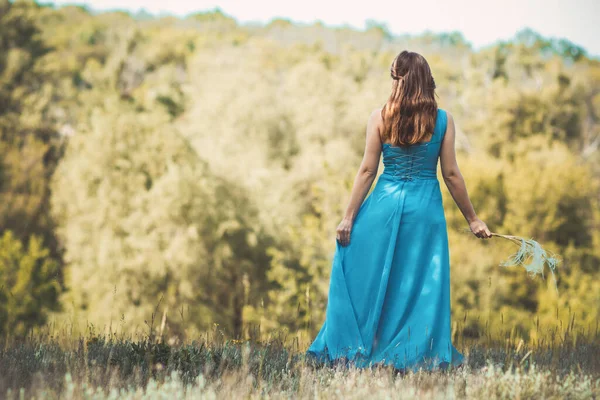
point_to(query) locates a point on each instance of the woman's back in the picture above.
(417, 161)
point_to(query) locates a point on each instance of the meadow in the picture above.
(53, 364)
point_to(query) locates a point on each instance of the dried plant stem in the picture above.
(514, 239)
(532, 251)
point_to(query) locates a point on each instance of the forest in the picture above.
(179, 174)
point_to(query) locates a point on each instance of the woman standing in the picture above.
(389, 294)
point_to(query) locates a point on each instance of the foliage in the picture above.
(29, 142)
(185, 172)
(30, 288)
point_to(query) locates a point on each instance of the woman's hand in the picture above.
(343, 232)
(480, 229)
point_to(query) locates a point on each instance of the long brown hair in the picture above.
(410, 113)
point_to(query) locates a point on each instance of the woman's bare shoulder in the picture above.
(377, 112)
(376, 116)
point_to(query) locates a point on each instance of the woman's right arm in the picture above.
(456, 183)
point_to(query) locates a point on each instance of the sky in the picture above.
(482, 22)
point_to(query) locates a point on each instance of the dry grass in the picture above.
(212, 366)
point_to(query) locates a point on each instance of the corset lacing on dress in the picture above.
(405, 163)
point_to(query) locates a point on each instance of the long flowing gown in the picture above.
(389, 293)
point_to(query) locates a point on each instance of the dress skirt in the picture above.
(389, 293)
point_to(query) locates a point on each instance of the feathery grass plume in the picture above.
(530, 256)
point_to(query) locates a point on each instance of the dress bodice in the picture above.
(418, 161)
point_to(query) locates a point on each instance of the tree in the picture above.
(30, 287)
(29, 142)
(133, 203)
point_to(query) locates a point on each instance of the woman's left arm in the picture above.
(364, 177)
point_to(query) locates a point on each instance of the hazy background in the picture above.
(188, 171)
(481, 22)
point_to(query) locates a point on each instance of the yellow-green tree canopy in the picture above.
(193, 170)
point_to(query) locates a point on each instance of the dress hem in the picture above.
(356, 358)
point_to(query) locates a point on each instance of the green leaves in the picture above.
(30, 285)
(208, 163)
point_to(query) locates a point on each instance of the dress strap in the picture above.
(441, 123)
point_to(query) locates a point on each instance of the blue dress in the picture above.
(389, 293)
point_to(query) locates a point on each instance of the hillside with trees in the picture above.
(177, 173)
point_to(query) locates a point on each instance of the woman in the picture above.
(389, 294)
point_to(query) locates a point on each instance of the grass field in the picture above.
(92, 366)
